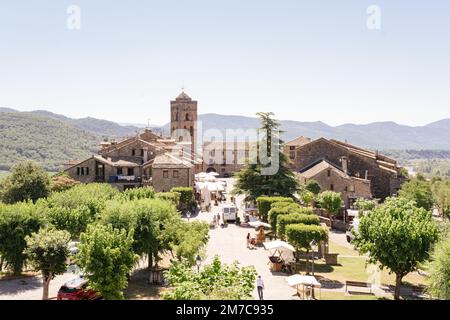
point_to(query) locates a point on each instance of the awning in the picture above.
(258, 224)
(278, 245)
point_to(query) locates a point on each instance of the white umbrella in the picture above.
(215, 174)
(210, 178)
(278, 245)
(298, 279)
(257, 224)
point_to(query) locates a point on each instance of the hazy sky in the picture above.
(304, 60)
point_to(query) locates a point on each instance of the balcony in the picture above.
(124, 179)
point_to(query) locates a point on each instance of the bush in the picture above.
(295, 218)
(138, 193)
(173, 197)
(313, 186)
(187, 199)
(16, 223)
(265, 203)
(330, 201)
(286, 208)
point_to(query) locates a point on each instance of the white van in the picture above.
(229, 212)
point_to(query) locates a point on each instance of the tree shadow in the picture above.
(139, 288)
(16, 286)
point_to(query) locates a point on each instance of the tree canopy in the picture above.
(438, 280)
(330, 201)
(418, 190)
(252, 180)
(397, 235)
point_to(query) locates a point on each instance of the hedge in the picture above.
(301, 235)
(265, 203)
(286, 208)
(187, 199)
(295, 218)
(138, 193)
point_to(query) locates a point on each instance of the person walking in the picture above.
(218, 219)
(248, 240)
(260, 287)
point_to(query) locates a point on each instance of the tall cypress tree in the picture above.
(253, 179)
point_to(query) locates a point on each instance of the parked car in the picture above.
(77, 289)
(226, 175)
(229, 212)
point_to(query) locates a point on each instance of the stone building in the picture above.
(383, 173)
(331, 177)
(226, 158)
(146, 159)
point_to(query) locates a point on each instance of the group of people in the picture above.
(217, 221)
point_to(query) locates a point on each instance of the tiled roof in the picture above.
(312, 171)
(228, 145)
(183, 96)
(299, 141)
(167, 160)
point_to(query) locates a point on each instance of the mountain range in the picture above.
(52, 139)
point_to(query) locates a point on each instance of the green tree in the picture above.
(75, 221)
(252, 179)
(216, 281)
(313, 186)
(301, 236)
(173, 197)
(364, 205)
(106, 257)
(398, 236)
(190, 239)
(330, 201)
(307, 197)
(294, 218)
(418, 190)
(16, 223)
(27, 181)
(441, 196)
(438, 280)
(47, 252)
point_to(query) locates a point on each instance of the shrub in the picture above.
(187, 199)
(286, 208)
(330, 201)
(265, 203)
(138, 193)
(295, 218)
(173, 197)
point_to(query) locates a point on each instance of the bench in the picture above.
(357, 284)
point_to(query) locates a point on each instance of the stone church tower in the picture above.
(183, 121)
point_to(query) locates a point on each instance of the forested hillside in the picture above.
(26, 136)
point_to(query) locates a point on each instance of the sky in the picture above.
(304, 60)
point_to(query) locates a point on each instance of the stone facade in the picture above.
(226, 158)
(183, 121)
(333, 178)
(383, 172)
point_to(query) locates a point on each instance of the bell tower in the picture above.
(183, 121)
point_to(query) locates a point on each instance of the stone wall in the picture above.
(162, 184)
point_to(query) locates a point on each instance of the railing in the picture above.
(117, 179)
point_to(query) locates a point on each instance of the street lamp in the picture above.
(198, 262)
(188, 215)
(312, 244)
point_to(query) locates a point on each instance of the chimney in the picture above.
(367, 174)
(344, 162)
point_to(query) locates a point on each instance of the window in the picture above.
(346, 189)
(292, 154)
(119, 171)
(82, 171)
(78, 171)
(192, 131)
(332, 187)
(212, 153)
(165, 174)
(292, 148)
(133, 152)
(131, 171)
(175, 174)
(142, 152)
(329, 173)
(87, 171)
(188, 117)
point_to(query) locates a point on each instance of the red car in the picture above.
(77, 289)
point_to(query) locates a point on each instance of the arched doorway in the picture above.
(210, 169)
